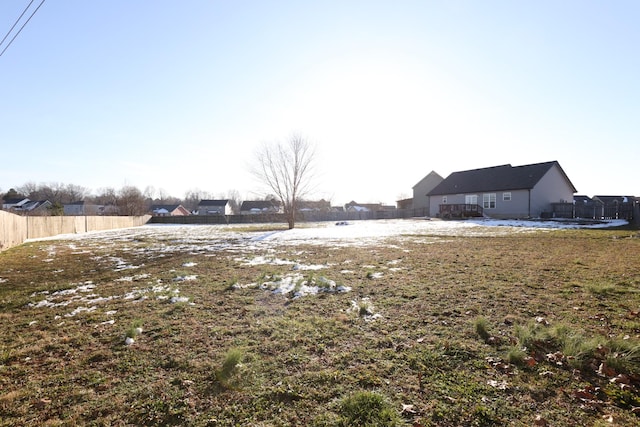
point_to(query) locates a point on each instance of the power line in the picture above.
(21, 28)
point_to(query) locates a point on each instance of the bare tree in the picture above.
(286, 169)
(75, 193)
(131, 201)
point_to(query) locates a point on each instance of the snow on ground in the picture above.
(159, 240)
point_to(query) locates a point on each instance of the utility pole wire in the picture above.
(21, 28)
(16, 23)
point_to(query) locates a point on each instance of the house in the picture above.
(422, 188)
(314, 206)
(249, 207)
(614, 207)
(405, 203)
(353, 206)
(169, 210)
(33, 207)
(213, 207)
(14, 203)
(81, 208)
(502, 191)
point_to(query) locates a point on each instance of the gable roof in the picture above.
(430, 175)
(496, 178)
(247, 205)
(608, 200)
(169, 208)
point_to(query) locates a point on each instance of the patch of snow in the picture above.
(80, 310)
(185, 278)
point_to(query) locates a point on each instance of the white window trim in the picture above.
(487, 200)
(471, 199)
(506, 197)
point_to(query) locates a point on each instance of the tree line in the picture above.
(285, 169)
(128, 200)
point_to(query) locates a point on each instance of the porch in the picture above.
(460, 210)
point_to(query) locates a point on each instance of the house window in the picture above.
(489, 201)
(471, 199)
(444, 200)
(506, 197)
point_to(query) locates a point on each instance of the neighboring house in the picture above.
(33, 207)
(614, 207)
(503, 191)
(213, 207)
(81, 208)
(249, 207)
(422, 188)
(313, 206)
(367, 207)
(169, 210)
(108, 210)
(405, 203)
(17, 203)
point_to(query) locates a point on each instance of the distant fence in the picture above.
(627, 211)
(310, 216)
(15, 229)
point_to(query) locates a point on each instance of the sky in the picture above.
(178, 96)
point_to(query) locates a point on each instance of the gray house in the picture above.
(260, 207)
(505, 191)
(422, 188)
(81, 208)
(213, 207)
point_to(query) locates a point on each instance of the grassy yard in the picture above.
(539, 328)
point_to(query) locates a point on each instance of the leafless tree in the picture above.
(193, 196)
(75, 193)
(131, 201)
(286, 169)
(30, 190)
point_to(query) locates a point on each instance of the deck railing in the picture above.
(460, 210)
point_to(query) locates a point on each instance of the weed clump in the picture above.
(367, 409)
(225, 375)
(482, 328)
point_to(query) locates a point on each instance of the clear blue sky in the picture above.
(179, 94)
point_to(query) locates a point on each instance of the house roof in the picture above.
(613, 199)
(496, 178)
(16, 201)
(168, 208)
(247, 205)
(36, 204)
(430, 175)
(579, 198)
(213, 202)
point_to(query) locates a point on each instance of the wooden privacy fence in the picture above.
(310, 216)
(15, 229)
(627, 211)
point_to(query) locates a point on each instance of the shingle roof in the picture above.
(496, 178)
(259, 204)
(169, 208)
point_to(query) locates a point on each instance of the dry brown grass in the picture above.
(303, 358)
